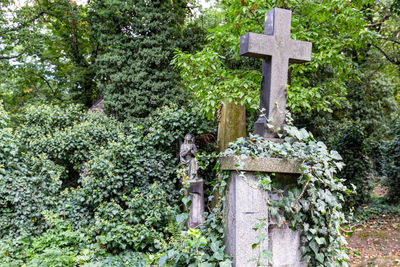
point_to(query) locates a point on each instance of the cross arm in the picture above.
(299, 51)
(256, 45)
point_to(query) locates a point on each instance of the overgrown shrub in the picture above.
(351, 146)
(112, 184)
(61, 245)
(28, 184)
(392, 166)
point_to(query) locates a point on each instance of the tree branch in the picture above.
(300, 196)
(389, 40)
(387, 56)
(11, 57)
(24, 24)
(384, 18)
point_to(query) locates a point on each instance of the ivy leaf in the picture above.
(335, 155)
(226, 263)
(266, 254)
(262, 237)
(320, 240)
(163, 260)
(215, 246)
(320, 257)
(219, 255)
(204, 264)
(314, 247)
(186, 201)
(180, 218)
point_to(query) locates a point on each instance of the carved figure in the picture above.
(187, 151)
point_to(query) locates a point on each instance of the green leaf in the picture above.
(219, 255)
(313, 246)
(320, 257)
(215, 246)
(226, 263)
(320, 240)
(266, 254)
(181, 218)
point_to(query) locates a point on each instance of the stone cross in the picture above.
(277, 50)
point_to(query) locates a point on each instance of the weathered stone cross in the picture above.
(276, 49)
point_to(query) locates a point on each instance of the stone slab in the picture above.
(285, 247)
(245, 204)
(271, 165)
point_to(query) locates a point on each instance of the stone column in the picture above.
(196, 210)
(246, 203)
(232, 124)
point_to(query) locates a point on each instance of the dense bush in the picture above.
(27, 184)
(352, 147)
(113, 185)
(392, 167)
(61, 245)
(133, 68)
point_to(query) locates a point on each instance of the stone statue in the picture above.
(187, 151)
(195, 190)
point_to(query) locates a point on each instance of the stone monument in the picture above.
(196, 193)
(246, 203)
(277, 50)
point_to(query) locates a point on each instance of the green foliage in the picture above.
(46, 53)
(65, 136)
(320, 85)
(36, 120)
(27, 184)
(60, 51)
(167, 126)
(392, 167)
(313, 207)
(138, 38)
(203, 246)
(375, 209)
(4, 119)
(57, 246)
(316, 209)
(61, 245)
(204, 72)
(113, 184)
(351, 146)
(143, 225)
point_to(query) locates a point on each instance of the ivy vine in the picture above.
(313, 206)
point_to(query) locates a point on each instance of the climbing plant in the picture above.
(313, 206)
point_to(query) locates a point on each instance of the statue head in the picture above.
(188, 139)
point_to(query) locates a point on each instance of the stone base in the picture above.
(246, 203)
(196, 209)
(285, 247)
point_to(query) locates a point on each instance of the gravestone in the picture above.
(246, 203)
(277, 50)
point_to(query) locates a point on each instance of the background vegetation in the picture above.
(81, 188)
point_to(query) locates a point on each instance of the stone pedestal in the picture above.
(246, 203)
(196, 210)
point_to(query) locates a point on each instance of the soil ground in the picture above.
(376, 242)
